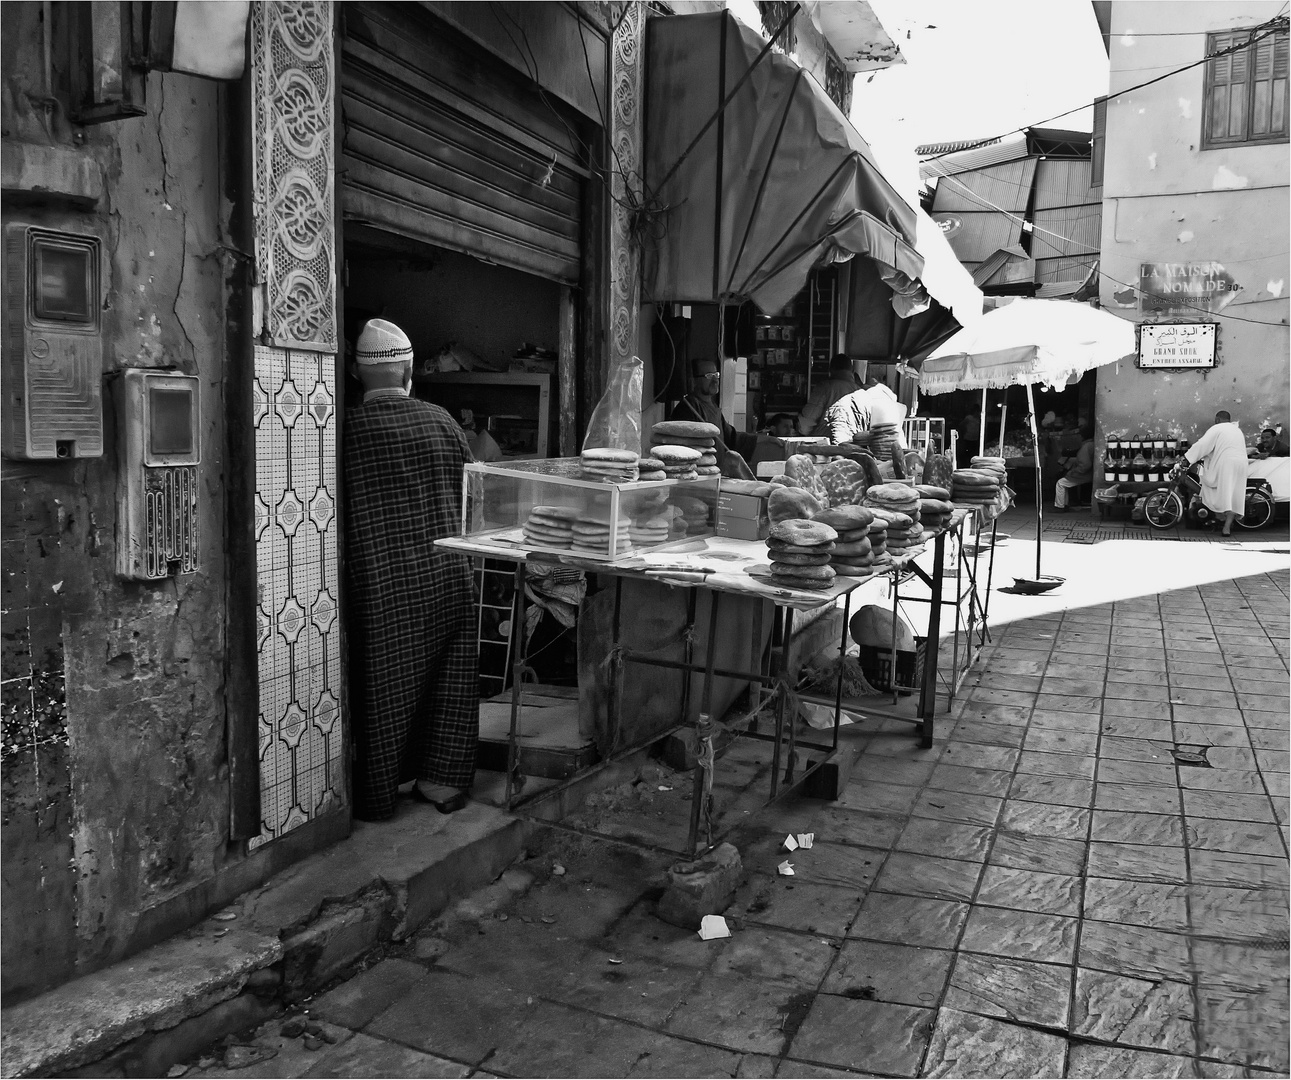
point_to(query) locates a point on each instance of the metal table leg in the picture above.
(928, 690)
(517, 681)
(782, 695)
(703, 782)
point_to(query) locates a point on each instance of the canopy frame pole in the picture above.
(1039, 486)
(1004, 412)
(981, 433)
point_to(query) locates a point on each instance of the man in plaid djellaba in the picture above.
(414, 663)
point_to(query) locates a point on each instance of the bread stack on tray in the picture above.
(992, 465)
(550, 526)
(903, 531)
(853, 554)
(695, 514)
(898, 498)
(679, 462)
(592, 534)
(935, 507)
(651, 468)
(800, 551)
(611, 466)
(694, 434)
(974, 487)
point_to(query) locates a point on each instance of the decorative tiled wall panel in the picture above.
(302, 765)
(301, 738)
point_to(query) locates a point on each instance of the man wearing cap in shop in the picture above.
(414, 661)
(701, 406)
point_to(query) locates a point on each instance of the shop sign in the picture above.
(1184, 287)
(949, 224)
(1177, 345)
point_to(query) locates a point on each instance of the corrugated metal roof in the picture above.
(1074, 266)
(934, 149)
(1009, 148)
(1062, 182)
(1008, 266)
(1000, 187)
(973, 237)
(1073, 230)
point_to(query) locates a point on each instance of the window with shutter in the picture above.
(1246, 90)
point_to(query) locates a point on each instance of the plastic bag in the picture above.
(616, 420)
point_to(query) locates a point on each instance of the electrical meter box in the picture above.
(157, 494)
(53, 347)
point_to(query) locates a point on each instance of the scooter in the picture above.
(1181, 502)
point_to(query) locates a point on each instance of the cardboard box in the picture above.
(738, 528)
(730, 504)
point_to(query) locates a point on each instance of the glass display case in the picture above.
(551, 506)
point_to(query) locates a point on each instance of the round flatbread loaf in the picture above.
(891, 519)
(796, 558)
(775, 547)
(802, 533)
(801, 583)
(671, 454)
(844, 481)
(934, 506)
(853, 569)
(823, 572)
(786, 503)
(857, 547)
(892, 493)
(690, 429)
(747, 487)
(708, 470)
(649, 463)
(850, 536)
(929, 491)
(567, 514)
(622, 457)
(845, 518)
(706, 459)
(650, 475)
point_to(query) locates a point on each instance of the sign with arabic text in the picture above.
(1177, 345)
(1185, 287)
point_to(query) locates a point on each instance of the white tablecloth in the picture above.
(1277, 470)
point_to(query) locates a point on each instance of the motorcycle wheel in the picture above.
(1163, 509)
(1259, 511)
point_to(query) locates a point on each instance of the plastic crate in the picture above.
(876, 664)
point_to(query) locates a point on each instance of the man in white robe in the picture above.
(1222, 452)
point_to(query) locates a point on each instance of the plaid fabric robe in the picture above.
(413, 650)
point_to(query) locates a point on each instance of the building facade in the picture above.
(1195, 212)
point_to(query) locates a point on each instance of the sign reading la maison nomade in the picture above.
(1185, 288)
(1177, 345)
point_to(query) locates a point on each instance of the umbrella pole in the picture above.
(981, 434)
(1004, 411)
(1039, 488)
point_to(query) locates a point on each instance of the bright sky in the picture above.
(979, 68)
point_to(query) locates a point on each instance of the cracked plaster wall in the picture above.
(1167, 200)
(115, 794)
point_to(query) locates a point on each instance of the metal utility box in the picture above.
(53, 346)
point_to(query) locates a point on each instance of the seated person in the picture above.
(1079, 466)
(735, 449)
(1271, 444)
(782, 426)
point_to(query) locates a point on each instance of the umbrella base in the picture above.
(1036, 585)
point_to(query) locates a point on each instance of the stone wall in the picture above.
(114, 794)
(1167, 200)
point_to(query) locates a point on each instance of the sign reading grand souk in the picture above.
(1181, 288)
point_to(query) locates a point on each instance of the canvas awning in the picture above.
(755, 178)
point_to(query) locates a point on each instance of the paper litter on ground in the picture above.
(785, 868)
(713, 926)
(805, 839)
(790, 844)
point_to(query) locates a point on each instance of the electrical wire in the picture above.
(1276, 29)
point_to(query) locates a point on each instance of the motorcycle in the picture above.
(1181, 502)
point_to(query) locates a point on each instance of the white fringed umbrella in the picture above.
(1025, 343)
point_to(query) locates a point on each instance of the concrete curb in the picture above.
(281, 941)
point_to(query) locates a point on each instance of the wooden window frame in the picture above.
(1223, 39)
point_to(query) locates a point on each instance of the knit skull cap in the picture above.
(381, 342)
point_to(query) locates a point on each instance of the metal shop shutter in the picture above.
(444, 146)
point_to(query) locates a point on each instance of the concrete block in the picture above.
(705, 886)
(829, 781)
(48, 172)
(334, 941)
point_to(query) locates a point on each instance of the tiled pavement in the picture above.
(1086, 876)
